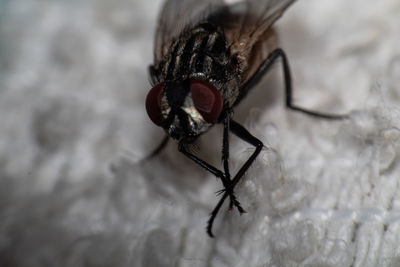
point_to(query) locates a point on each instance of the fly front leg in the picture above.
(219, 174)
(225, 160)
(158, 149)
(243, 134)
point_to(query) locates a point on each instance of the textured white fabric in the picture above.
(73, 78)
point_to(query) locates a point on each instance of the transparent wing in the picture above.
(175, 16)
(248, 19)
(248, 28)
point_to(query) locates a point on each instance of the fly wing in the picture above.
(246, 24)
(248, 28)
(175, 16)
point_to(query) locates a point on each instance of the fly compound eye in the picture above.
(153, 103)
(207, 100)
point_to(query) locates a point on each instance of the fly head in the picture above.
(185, 109)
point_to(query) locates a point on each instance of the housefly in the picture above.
(208, 55)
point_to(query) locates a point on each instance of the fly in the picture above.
(208, 55)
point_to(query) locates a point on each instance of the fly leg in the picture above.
(219, 174)
(263, 69)
(243, 134)
(225, 159)
(158, 149)
(152, 75)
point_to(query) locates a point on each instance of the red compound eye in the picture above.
(207, 100)
(153, 101)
